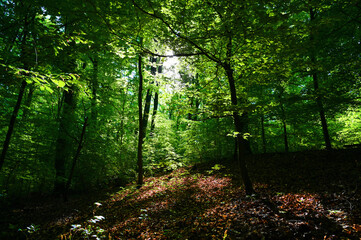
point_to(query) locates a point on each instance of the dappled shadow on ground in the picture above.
(297, 198)
(25, 218)
(188, 204)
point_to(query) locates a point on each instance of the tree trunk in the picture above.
(264, 143)
(121, 130)
(148, 99)
(235, 154)
(285, 135)
(243, 152)
(75, 159)
(140, 131)
(155, 101)
(170, 114)
(319, 103)
(63, 142)
(28, 101)
(196, 81)
(155, 110)
(284, 125)
(23, 56)
(12, 123)
(94, 88)
(321, 110)
(146, 112)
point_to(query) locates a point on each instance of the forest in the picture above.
(187, 119)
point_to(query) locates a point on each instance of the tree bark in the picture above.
(196, 80)
(140, 131)
(321, 110)
(75, 159)
(154, 69)
(63, 141)
(264, 143)
(148, 98)
(285, 135)
(319, 103)
(155, 110)
(284, 125)
(27, 21)
(235, 154)
(243, 152)
(12, 123)
(28, 101)
(94, 88)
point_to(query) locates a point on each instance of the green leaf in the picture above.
(59, 83)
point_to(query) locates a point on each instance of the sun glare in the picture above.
(171, 66)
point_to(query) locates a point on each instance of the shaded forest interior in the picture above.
(180, 119)
(297, 197)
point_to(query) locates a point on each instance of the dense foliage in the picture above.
(106, 92)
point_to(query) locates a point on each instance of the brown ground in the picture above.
(308, 195)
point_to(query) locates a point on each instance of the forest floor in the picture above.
(308, 195)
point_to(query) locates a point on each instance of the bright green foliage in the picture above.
(350, 131)
(272, 49)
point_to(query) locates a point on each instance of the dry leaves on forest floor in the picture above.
(205, 204)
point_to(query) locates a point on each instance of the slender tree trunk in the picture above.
(155, 110)
(27, 21)
(235, 154)
(284, 125)
(28, 101)
(66, 118)
(148, 99)
(264, 143)
(63, 142)
(146, 112)
(243, 152)
(155, 101)
(140, 131)
(196, 81)
(12, 123)
(121, 130)
(94, 85)
(321, 110)
(285, 135)
(170, 115)
(75, 159)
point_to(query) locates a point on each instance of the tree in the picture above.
(141, 125)
(255, 77)
(28, 21)
(224, 34)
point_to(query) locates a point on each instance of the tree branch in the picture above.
(143, 49)
(197, 46)
(172, 55)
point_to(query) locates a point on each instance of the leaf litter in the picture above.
(204, 204)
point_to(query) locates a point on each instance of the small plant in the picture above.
(29, 230)
(90, 230)
(216, 168)
(144, 214)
